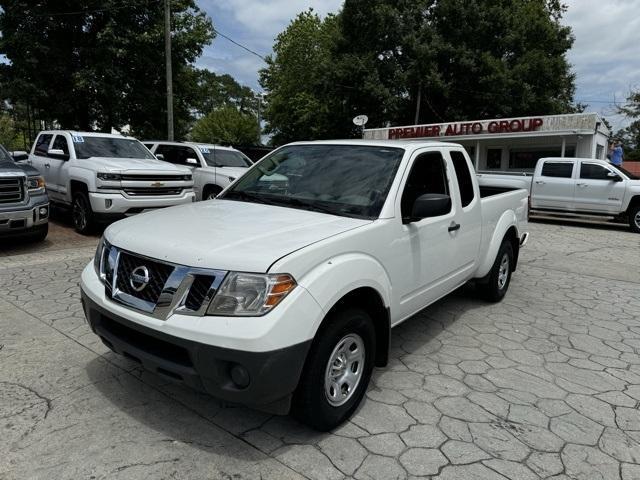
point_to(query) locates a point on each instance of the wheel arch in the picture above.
(211, 187)
(506, 228)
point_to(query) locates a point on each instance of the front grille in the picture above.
(11, 190)
(152, 178)
(158, 275)
(147, 191)
(198, 291)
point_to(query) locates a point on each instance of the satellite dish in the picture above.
(360, 120)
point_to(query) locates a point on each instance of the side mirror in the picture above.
(192, 161)
(159, 156)
(58, 153)
(20, 156)
(430, 205)
(614, 176)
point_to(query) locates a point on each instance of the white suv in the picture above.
(214, 167)
(105, 177)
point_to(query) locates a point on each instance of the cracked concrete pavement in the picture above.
(545, 384)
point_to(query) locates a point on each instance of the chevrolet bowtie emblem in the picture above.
(157, 184)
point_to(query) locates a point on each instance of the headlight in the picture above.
(188, 177)
(112, 177)
(35, 184)
(250, 294)
(103, 261)
(97, 258)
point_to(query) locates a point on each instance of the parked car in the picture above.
(286, 298)
(214, 167)
(24, 205)
(585, 186)
(104, 177)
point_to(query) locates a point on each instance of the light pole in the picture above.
(169, 73)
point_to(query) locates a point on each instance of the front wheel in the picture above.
(634, 218)
(337, 370)
(82, 214)
(494, 286)
(211, 192)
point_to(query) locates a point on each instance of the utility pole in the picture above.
(167, 54)
(259, 95)
(418, 101)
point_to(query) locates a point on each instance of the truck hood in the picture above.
(225, 234)
(10, 169)
(121, 165)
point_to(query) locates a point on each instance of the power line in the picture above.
(240, 45)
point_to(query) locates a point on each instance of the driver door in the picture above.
(57, 167)
(424, 250)
(596, 191)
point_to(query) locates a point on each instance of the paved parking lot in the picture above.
(545, 384)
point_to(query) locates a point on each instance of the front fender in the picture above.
(506, 221)
(334, 278)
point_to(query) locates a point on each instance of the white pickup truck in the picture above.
(584, 186)
(283, 294)
(104, 177)
(214, 167)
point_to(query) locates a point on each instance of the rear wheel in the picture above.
(634, 218)
(82, 215)
(337, 370)
(495, 285)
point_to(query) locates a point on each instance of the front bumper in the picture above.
(22, 219)
(119, 205)
(263, 380)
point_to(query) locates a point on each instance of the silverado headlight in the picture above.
(112, 177)
(35, 184)
(250, 294)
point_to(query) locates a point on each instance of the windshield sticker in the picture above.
(204, 149)
(77, 139)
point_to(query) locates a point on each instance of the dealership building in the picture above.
(513, 144)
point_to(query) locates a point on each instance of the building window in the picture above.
(494, 158)
(600, 151)
(526, 159)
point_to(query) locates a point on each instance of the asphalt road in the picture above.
(545, 384)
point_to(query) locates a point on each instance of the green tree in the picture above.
(227, 126)
(424, 61)
(89, 65)
(301, 100)
(630, 136)
(215, 91)
(10, 137)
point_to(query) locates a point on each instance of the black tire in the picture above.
(311, 404)
(40, 233)
(210, 192)
(81, 214)
(634, 218)
(494, 286)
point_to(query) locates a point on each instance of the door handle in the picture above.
(540, 182)
(454, 226)
(47, 165)
(581, 184)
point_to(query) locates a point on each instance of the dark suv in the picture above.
(24, 204)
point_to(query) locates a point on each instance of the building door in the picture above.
(494, 158)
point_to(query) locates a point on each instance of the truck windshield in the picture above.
(345, 180)
(4, 155)
(90, 146)
(224, 158)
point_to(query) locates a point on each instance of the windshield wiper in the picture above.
(296, 202)
(249, 197)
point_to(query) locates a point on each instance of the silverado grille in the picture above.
(11, 190)
(158, 276)
(153, 178)
(146, 191)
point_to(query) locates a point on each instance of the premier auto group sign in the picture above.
(466, 128)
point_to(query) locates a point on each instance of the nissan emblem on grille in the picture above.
(139, 278)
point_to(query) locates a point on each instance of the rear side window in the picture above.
(42, 144)
(557, 169)
(591, 171)
(464, 177)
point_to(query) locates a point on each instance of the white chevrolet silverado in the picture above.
(580, 186)
(281, 295)
(104, 177)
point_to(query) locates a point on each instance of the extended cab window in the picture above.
(428, 175)
(42, 144)
(177, 154)
(557, 169)
(591, 171)
(464, 177)
(345, 180)
(60, 143)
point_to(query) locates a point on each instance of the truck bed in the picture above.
(490, 190)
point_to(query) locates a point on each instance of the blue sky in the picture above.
(605, 55)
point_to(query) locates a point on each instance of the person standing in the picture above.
(617, 154)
